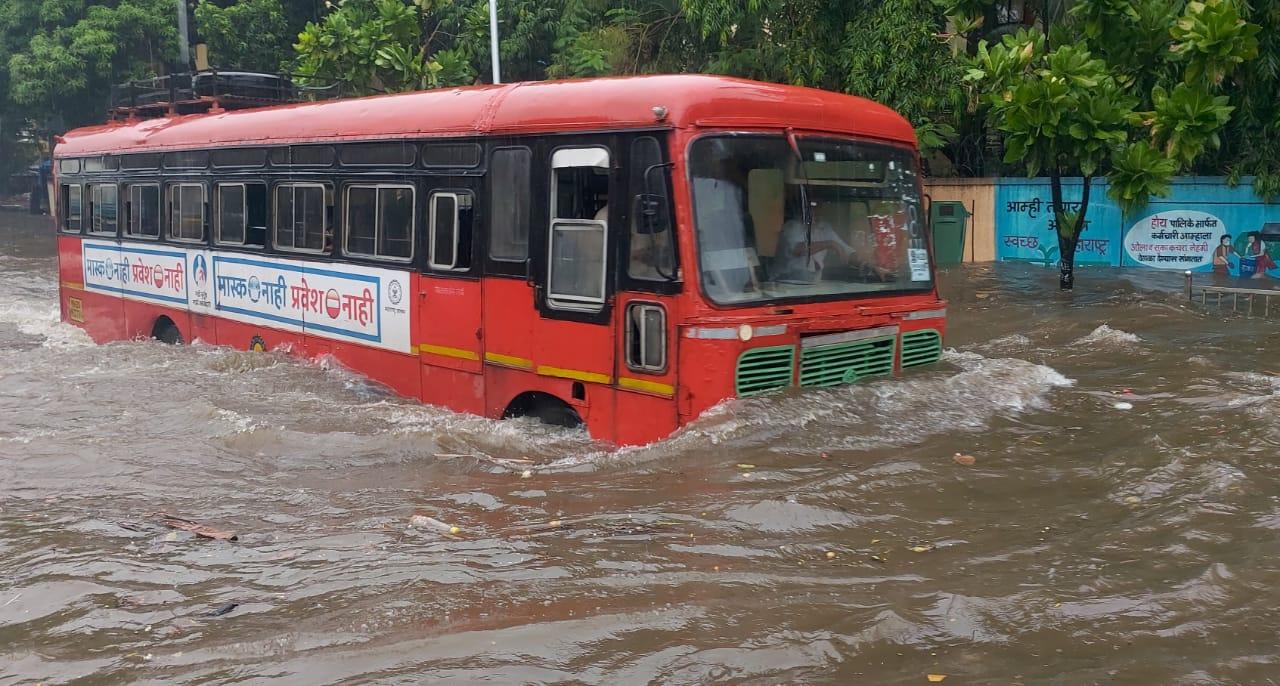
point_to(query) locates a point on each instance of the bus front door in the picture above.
(573, 336)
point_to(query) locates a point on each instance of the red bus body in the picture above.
(481, 340)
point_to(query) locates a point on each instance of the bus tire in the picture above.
(544, 407)
(166, 331)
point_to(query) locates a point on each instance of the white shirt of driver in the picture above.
(792, 240)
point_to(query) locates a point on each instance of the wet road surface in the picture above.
(824, 537)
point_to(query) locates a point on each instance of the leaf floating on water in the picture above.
(936, 678)
(1123, 406)
(194, 527)
(743, 465)
(965, 460)
(921, 548)
(1132, 500)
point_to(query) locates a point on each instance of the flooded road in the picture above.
(824, 537)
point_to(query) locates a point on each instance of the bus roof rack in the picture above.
(213, 90)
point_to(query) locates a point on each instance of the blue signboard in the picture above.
(1027, 231)
(1206, 226)
(1203, 225)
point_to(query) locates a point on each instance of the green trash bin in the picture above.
(948, 219)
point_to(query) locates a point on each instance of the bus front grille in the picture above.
(764, 369)
(921, 347)
(842, 363)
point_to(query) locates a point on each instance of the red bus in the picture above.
(619, 253)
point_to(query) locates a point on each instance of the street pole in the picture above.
(493, 40)
(184, 49)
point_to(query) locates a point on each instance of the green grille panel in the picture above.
(840, 363)
(764, 369)
(921, 347)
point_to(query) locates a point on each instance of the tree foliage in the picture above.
(250, 35)
(75, 52)
(1133, 92)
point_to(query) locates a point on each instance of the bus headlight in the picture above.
(745, 332)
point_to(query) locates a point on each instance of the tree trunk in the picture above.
(1068, 231)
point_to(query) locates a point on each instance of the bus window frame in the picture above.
(327, 208)
(627, 329)
(333, 163)
(455, 193)
(632, 188)
(93, 206)
(65, 207)
(377, 187)
(515, 268)
(576, 304)
(204, 212)
(127, 232)
(215, 211)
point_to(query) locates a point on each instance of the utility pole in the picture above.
(184, 48)
(493, 40)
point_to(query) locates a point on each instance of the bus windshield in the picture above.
(780, 219)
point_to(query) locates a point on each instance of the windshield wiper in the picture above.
(805, 214)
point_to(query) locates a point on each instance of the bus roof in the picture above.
(534, 107)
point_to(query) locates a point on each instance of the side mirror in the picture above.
(649, 209)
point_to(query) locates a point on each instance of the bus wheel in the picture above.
(544, 407)
(166, 331)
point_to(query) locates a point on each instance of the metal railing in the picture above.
(1236, 293)
(205, 90)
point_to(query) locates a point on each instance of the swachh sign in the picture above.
(1177, 239)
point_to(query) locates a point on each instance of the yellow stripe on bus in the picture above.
(73, 284)
(508, 360)
(646, 386)
(590, 377)
(446, 351)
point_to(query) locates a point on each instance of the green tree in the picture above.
(890, 51)
(251, 35)
(380, 46)
(1132, 93)
(76, 53)
(1251, 141)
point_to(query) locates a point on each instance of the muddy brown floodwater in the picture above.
(1087, 544)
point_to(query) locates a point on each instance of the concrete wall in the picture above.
(1203, 225)
(978, 196)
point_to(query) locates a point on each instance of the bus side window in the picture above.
(103, 208)
(450, 231)
(302, 218)
(651, 246)
(71, 207)
(579, 229)
(509, 204)
(186, 212)
(380, 221)
(144, 211)
(646, 337)
(241, 214)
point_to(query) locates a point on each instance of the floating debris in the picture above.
(425, 522)
(965, 460)
(193, 527)
(222, 610)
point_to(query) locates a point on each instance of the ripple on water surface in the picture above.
(803, 537)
